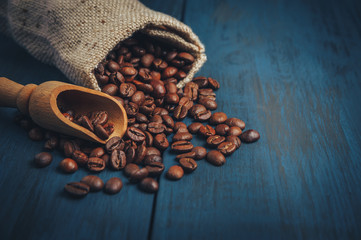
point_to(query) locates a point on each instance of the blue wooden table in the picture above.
(290, 69)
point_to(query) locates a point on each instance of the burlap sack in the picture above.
(75, 35)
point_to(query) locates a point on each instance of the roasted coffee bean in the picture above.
(141, 118)
(146, 88)
(135, 134)
(186, 57)
(226, 148)
(97, 152)
(168, 121)
(212, 83)
(158, 89)
(179, 125)
(95, 183)
(191, 91)
(36, 134)
(131, 109)
(85, 122)
(182, 136)
(113, 185)
(138, 175)
(155, 75)
(186, 102)
(215, 140)
(160, 111)
(118, 160)
(234, 131)
(235, 140)
(113, 66)
(149, 159)
(120, 100)
(171, 55)
(191, 154)
(80, 157)
(161, 142)
(106, 158)
(69, 148)
(216, 158)
(175, 172)
(128, 71)
(200, 113)
(206, 131)
(147, 60)
(194, 127)
(250, 136)
(171, 87)
(148, 138)
(143, 127)
(130, 169)
(155, 169)
(110, 89)
(182, 146)
(218, 118)
(235, 122)
(43, 159)
(182, 130)
(140, 154)
(109, 128)
(68, 116)
(159, 64)
(100, 131)
(180, 75)
(77, 189)
(171, 98)
(202, 82)
(95, 164)
(130, 154)
(102, 79)
(152, 151)
(188, 164)
(68, 165)
(222, 129)
(149, 185)
(156, 128)
(206, 93)
(51, 143)
(114, 143)
(169, 72)
(99, 117)
(138, 98)
(200, 152)
(156, 118)
(177, 63)
(127, 90)
(208, 103)
(180, 112)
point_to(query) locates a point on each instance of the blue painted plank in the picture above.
(290, 69)
(33, 204)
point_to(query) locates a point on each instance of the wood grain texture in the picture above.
(291, 70)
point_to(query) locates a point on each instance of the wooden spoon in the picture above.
(41, 104)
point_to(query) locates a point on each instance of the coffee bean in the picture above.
(200, 113)
(43, 159)
(158, 89)
(68, 116)
(69, 148)
(216, 158)
(85, 122)
(68, 165)
(208, 103)
(130, 168)
(149, 159)
(80, 157)
(113, 185)
(148, 138)
(171, 98)
(188, 164)
(175, 172)
(235, 140)
(99, 117)
(128, 71)
(218, 118)
(171, 87)
(194, 127)
(200, 152)
(97, 152)
(135, 134)
(179, 125)
(126, 90)
(186, 57)
(234, 131)
(118, 160)
(191, 154)
(212, 83)
(182, 136)
(226, 148)
(77, 189)
(138, 175)
(152, 151)
(94, 182)
(168, 121)
(156, 128)
(114, 143)
(169, 72)
(191, 91)
(140, 154)
(147, 60)
(161, 142)
(130, 154)
(157, 119)
(110, 89)
(222, 129)
(138, 98)
(109, 128)
(51, 143)
(101, 132)
(202, 82)
(155, 169)
(235, 122)
(36, 134)
(182, 146)
(113, 66)
(206, 131)
(250, 136)
(149, 185)
(95, 164)
(215, 140)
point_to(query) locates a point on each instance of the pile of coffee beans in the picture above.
(96, 122)
(142, 74)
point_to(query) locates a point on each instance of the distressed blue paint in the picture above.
(291, 70)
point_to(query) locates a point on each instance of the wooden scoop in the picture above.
(41, 104)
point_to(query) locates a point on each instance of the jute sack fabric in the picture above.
(75, 35)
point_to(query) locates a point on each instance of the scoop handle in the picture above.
(13, 94)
